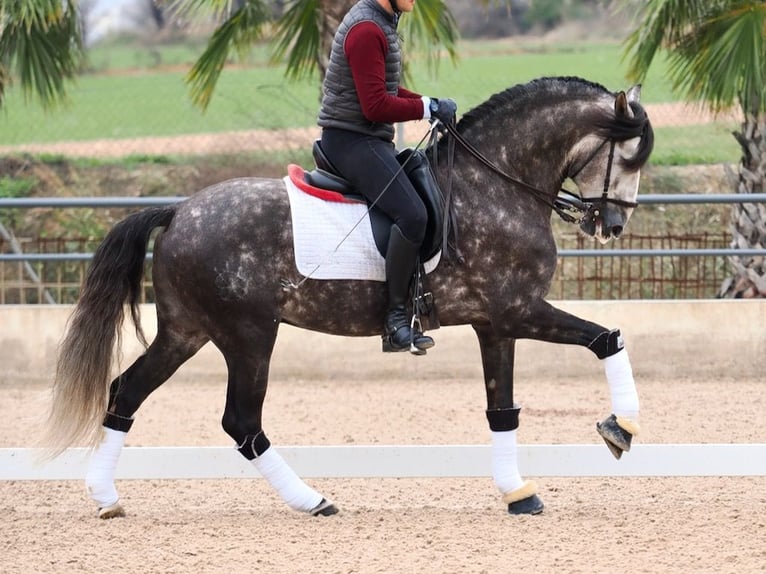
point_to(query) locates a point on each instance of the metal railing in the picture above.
(650, 199)
(686, 265)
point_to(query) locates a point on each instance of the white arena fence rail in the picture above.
(379, 461)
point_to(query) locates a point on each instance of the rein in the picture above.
(571, 207)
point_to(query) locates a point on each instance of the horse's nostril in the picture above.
(616, 230)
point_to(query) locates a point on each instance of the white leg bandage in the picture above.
(296, 493)
(505, 468)
(622, 387)
(99, 480)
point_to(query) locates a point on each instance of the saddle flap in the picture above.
(418, 169)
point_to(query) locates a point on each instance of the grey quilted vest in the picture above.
(340, 102)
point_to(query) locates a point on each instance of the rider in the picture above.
(361, 100)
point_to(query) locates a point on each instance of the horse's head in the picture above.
(606, 165)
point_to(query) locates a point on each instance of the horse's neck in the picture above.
(520, 147)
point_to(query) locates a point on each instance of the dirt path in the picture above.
(662, 115)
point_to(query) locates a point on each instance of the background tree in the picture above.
(41, 45)
(717, 55)
(42, 40)
(302, 35)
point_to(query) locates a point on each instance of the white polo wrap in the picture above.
(99, 480)
(622, 387)
(296, 493)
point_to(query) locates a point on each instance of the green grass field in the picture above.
(133, 91)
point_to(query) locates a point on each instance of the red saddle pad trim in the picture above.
(297, 175)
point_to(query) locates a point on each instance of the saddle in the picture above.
(326, 176)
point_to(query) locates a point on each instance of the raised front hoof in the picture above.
(324, 508)
(617, 433)
(530, 505)
(524, 500)
(112, 511)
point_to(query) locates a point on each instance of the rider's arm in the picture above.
(405, 93)
(365, 49)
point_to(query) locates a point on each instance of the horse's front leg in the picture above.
(497, 355)
(544, 322)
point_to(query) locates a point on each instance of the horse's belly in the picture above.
(350, 308)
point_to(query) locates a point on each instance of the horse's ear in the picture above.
(634, 93)
(621, 106)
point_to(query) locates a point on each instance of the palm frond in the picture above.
(217, 9)
(297, 37)
(663, 23)
(716, 49)
(41, 41)
(238, 33)
(428, 29)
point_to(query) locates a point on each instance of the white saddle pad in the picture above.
(333, 240)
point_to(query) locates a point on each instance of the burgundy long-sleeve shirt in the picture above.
(365, 49)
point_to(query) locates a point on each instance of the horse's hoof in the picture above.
(324, 508)
(530, 505)
(112, 511)
(617, 433)
(524, 500)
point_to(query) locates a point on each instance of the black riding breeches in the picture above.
(370, 164)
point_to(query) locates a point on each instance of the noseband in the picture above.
(571, 207)
(590, 208)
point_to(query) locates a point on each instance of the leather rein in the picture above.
(571, 207)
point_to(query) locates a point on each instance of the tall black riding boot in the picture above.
(401, 259)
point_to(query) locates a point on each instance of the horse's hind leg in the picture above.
(497, 356)
(127, 392)
(248, 358)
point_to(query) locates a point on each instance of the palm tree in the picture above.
(41, 41)
(302, 35)
(717, 55)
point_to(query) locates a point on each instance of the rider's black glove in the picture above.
(443, 110)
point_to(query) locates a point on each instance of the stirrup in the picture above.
(415, 342)
(416, 336)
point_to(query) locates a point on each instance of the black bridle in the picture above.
(590, 207)
(571, 207)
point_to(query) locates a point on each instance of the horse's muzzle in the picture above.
(605, 223)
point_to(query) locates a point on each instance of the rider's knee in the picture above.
(413, 224)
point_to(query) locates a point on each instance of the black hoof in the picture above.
(616, 438)
(529, 505)
(324, 508)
